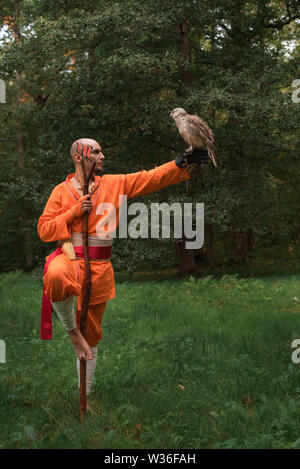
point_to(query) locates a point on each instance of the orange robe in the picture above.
(65, 277)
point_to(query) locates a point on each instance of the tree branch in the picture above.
(287, 19)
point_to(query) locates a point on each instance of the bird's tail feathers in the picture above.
(212, 154)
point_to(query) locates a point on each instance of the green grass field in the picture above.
(183, 364)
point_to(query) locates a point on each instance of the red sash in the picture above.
(46, 315)
(95, 252)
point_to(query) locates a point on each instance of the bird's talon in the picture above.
(187, 152)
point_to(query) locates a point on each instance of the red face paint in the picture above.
(84, 150)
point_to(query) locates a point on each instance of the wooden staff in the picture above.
(85, 152)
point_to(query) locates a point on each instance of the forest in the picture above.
(113, 71)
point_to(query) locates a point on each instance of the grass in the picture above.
(196, 363)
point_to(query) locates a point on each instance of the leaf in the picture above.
(126, 407)
(296, 444)
(30, 433)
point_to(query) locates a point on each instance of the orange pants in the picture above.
(64, 279)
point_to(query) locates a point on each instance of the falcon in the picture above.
(195, 132)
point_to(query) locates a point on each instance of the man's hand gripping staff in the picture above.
(83, 205)
(87, 168)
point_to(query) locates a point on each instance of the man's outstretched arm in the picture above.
(173, 172)
(145, 182)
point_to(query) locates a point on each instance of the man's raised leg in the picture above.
(61, 286)
(65, 312)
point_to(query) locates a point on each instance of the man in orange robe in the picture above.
(62, 220)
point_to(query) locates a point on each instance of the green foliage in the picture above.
(111, 71)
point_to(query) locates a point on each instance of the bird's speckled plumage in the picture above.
(195, 131)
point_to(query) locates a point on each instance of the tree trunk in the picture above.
(240, 247)
(21, 155)
(185, 52)
(251, 240)
(28, 238)
(209, 242)
(187, 265)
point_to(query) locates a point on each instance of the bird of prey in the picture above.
(195, 132)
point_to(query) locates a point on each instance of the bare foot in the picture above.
(80, 346)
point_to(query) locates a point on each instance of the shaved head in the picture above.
(96, 154)
(83, 141)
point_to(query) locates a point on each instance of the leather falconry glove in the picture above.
(192, 156)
